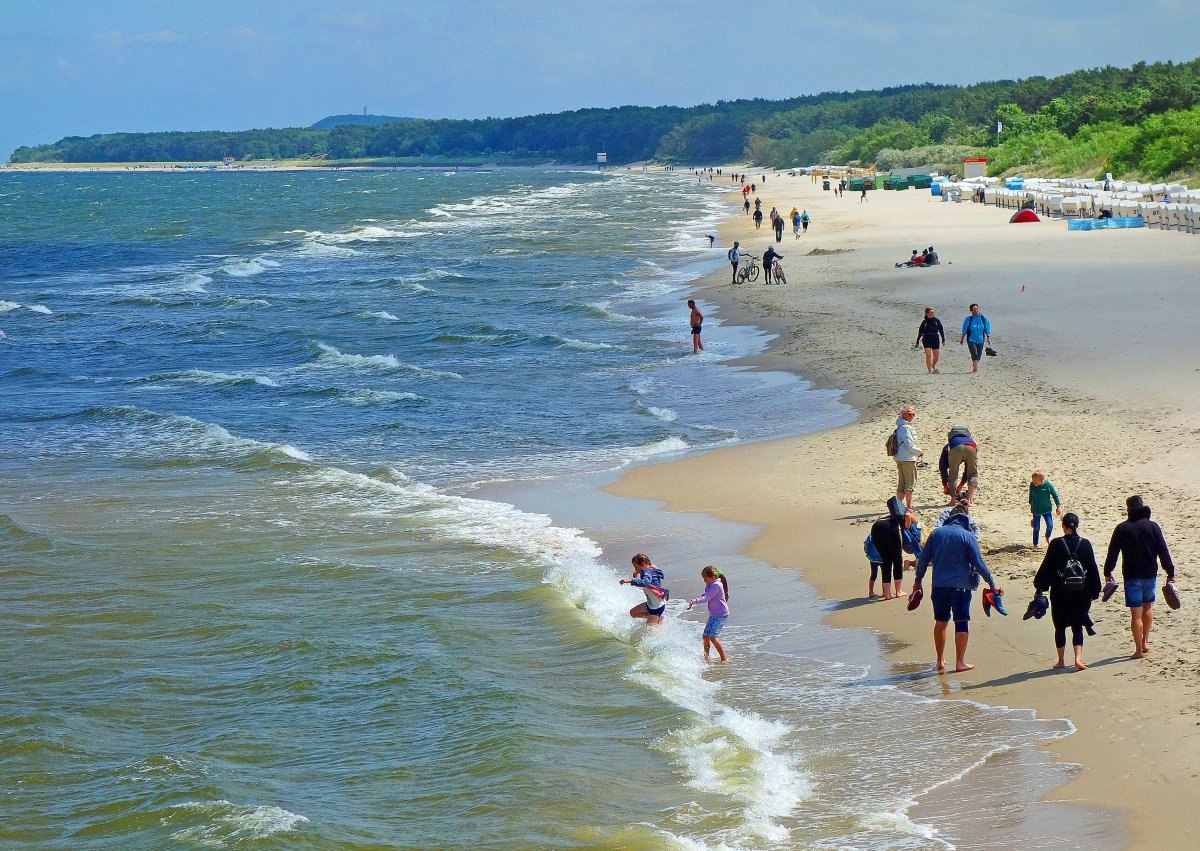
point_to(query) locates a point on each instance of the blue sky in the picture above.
(78, 67)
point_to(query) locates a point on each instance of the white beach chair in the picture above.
(1153, 214)
(1054, 205)
(1070, 206)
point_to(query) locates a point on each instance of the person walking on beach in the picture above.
(716, 594)
(1070, 574)
(795, 223)
(757, 218)
(890, 537)
(862, 199)
(746, 206)
(907, 453)
(1140, 543)
(768, 260)
(649, 578)
(1041, 492)
(976, 333)
(696, 320)
(804, 220)
(963, 455)
(932, 336)
(957, 565)
(778, 228)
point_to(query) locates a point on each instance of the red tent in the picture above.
(1024, 216)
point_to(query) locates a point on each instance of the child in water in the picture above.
(1041, 493)
(716, 593)
(648, 577)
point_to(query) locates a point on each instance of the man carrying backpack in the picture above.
(1069, 572)
(906, 454)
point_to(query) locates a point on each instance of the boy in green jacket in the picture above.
(1041, 492)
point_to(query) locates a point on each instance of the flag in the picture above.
(999, 127)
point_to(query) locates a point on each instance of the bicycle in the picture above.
(749, 270)
(777, 273)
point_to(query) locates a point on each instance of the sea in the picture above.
(303, 542)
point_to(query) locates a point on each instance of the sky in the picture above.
(79, 67)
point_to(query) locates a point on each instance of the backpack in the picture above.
(1071, 576)
(892, 445)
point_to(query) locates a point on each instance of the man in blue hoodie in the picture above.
(957, 565)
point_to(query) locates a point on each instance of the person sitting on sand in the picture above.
(649, 578)
(957, 565)
(911, 261)
(1069, 572)
(931, 258)
(959, 507)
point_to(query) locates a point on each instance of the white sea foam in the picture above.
(205, 377)
(230, 825)
(6, 306)
(40, 308)
(383, 314)
(365, 233)
(363, 396)
(664, 414)
(245, 302)
(331, 356)
(310, 248)
(585, 346)
(248, 267)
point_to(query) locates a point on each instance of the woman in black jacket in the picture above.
(1072, 587)
(932, 336)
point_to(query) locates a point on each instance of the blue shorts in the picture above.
(1139, 592)
(659, 612)
(956, 601)
(713, 628)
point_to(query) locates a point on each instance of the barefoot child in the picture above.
(716, 593)
(649, 578)
(1069, 572)
(1041, 492)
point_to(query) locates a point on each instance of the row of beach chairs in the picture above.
(1085, 199)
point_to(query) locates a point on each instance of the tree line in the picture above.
(1143, 120)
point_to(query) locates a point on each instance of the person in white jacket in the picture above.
(907, 453)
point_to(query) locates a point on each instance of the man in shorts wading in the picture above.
(957, 566)
(696, 319)
(1140, 543)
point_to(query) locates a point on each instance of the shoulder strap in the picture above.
(1075, 553)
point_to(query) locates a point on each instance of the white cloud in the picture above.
(156, 37)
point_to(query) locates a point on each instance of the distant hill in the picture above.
(370, 120)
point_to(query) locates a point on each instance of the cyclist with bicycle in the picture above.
(768, 261)
(735, 259)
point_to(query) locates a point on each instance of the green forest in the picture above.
(1142, 121)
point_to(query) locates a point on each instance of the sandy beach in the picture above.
(1097, 383)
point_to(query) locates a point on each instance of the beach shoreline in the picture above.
(847, 320)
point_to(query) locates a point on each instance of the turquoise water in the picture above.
(251, 595)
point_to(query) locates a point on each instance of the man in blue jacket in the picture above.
(977, 333)
(957, 566)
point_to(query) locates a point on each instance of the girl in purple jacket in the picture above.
(716, 594)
